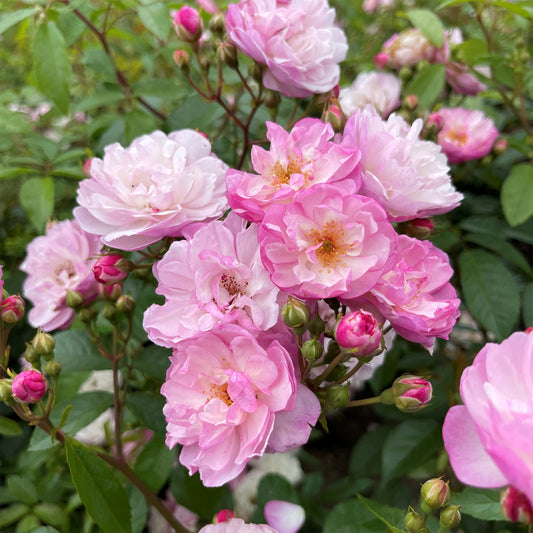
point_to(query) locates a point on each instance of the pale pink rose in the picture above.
(407, 48)
(215, 277)
(56, 263)
(466, 134)
(297, 41)
(416, 296)
(237, 525)
(327, 242)
(462, 80)
(152, 189)
(296, 160)
(224, 389)
(370, 6)
(286, 517)
(407, 176)
(379, 89)
(488, 438)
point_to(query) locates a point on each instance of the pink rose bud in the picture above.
(182, 59)
(224, 516)
(435, 493)
(435, 120)
(12, 309)
(420, 228)
(29, 386)
(112, 291)
(335, 117)
(87, 167)
(516, 506)
(381, 60)
(336, 91)
(187, 23)
(411, 393)
(500, 145)
(111, 268)
(411, 101)
(529, 330)
(358, 333)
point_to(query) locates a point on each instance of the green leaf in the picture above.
(77, 353)
(490, 292)
(28, 524)
(408, 446)
(104, 497)
(517, 194)
(154, 464)
(472, 51)
(352, 517)
(37, 198)
(428, 85)
(139, 509)
(365, 459)
(53, 514)
(153, 361)
(156, 19)
(194, 113)
(51, 65)
(390, 516)
(23, 489)
(513, 8)
(527, 305)
(148, 408)
(10, 19)
(13, 513)
(45, 529)
(479, 503)
(429, 24)
(9, 427)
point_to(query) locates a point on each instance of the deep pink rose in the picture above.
(12, 308)
(297, 41)
(224, 389)
(466, 134)
(152, 189)
(407, 176)
(215, 277)
(358, 332)
(516, 506)
(416, 296)
(237, 525)
(29, 386)
(187, 23)
(488, 438)
(296, 160)
(411, 393)
(111, 268)
(328, 242)
(56, 263)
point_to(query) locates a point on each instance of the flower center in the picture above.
(281, 175)
(458, 137)
(332, 246)
(64, 271)
(220, 392)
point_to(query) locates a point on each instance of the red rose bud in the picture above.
(411, 393)
(112, 291)
(12, 309)
(335, 117)
(499, 146)
(358, 333)
(188, 24)
(28, 386)
(516, 506)
(529, 330)
(224, 516)
(435, 493)
(111, 268)
(381, 60)
(420, 228)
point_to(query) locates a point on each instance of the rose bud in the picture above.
(450, 517)
(411, 393)
(111, 268)
(420, 228)
(224, 516)
(516, 506)
(112, 291)
(43, 343)
(29, 386)
(358, 333)
(12, 309)
(435, 493)
(182, 60)
(296, 315)
(188, 24)
(413, 522)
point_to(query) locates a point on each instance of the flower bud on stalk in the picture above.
(182, 60)
(435, 493)
(43, 344)
(335, 117)
(223, 516)
(112, 292)
(296, 315)
(413, 522)
(12, 309)
(111, 268)
(126, 304)
(188, 24)
(74, 299)
(411, 393)
(337, 396)
(227, 53)
(217, 25)
(420, 228)
(450, 516)
(53, 368)
(358, 333)
(312, 350)
(515, 506)
(29, 386)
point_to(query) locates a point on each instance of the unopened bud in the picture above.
(111, 268)
(337, 396)
(12, 309)
(516, 506)
(187, 23)
(86, 314)
(204, 63)
(435, 493)
(109, 312)
(74, 299)
(182, 60)
(112, 291)
(272, 99)
(87, 167)
(420, 228)
(411, 393)
(410, 101)
(217, 25)
(256, 70)
(358, 333)
(500, 145)
(227, 53)
(337, 373)
(43, 344)
(28, 386)
(223, 516)
(296, 315)
(413, 522)
(53, 368)
(529, 330)
(450, 516)
(335, 117)
(6, 394)
(31, 355)
(381, 60)
(126, 304)
(435, 121)
(312, 350)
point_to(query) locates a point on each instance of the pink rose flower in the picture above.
(215, 277)
(488, 438)
(407, 176)
(111, 268)
(57, 263)
(407, 48)
(379, 89)
(465, 134)
(358, 332)
(297, 41)
(152, 189)
(462, 81)
(327, 242)
(297, 160)
(416, 296)
(29, 386)
(286, 517)
(237, 525)
(224, 389)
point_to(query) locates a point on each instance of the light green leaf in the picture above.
(76, 353)
(104, 497)
(13, 513)
(390, 516)
(352, 517)
(428, 85)
(517, 194)
(429, 24)
(23, 489)
(156, 19)
(490, 292)
(479, 503)
(37, 198)
(51, 65)
(9, 427)
(10, 19)
(53, 514)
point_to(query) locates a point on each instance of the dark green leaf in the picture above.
(37, 198)
(517, 194)
(153, 361)
(139, 509)
(390, 516)
(479, 503)
(429, 24)
(490, 292)
(428, 85)
(45, 529)
(275, 487)
(195, 113)
(365, 459)
(100, 491)
(77, 353)
(9, 427)
(53, 514)
(352, 517)
(13, 513)
(527, 305)
(148, 408)
(51, 65)
(23, 489)
(10, 19)
(154, 464)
